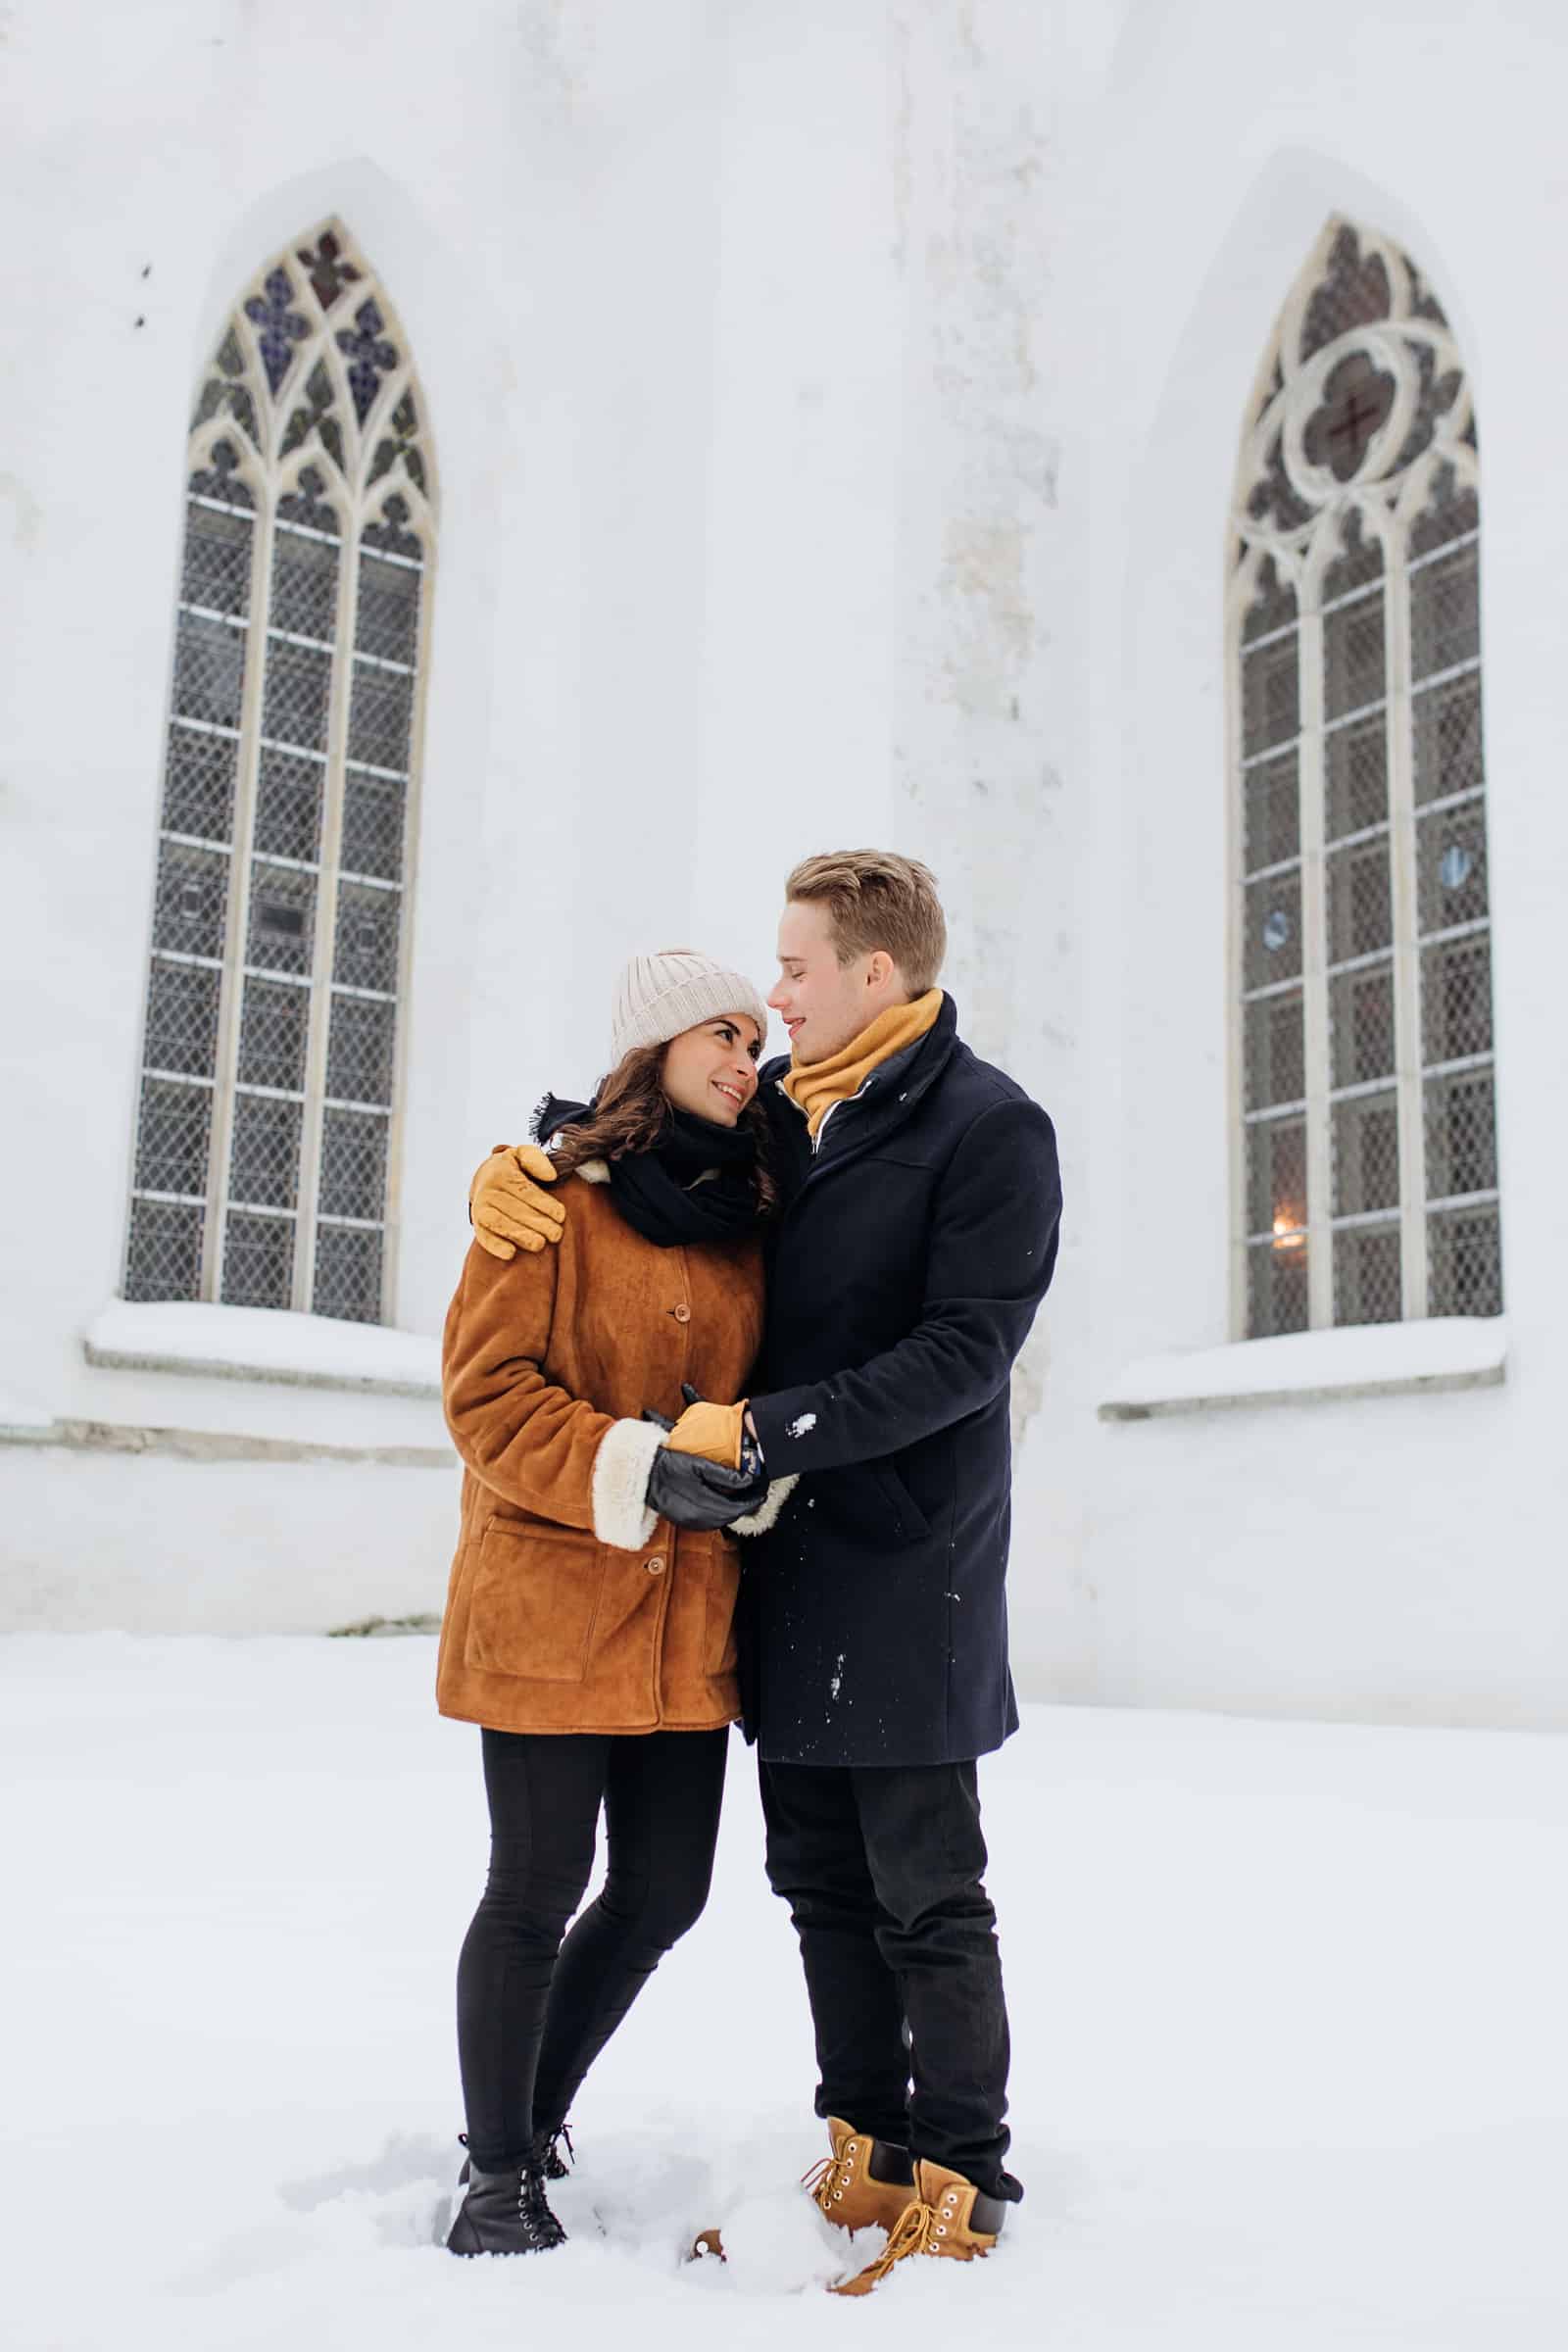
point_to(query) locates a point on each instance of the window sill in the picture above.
(1308, 1367)
(258, 1343)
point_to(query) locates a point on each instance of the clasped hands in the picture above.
(687, 1484)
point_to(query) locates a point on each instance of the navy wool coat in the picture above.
(912, 1248)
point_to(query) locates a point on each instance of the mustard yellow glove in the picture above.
(712, 1429)
(509, 1211)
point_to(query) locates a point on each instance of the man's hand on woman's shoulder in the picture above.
(507, 1206)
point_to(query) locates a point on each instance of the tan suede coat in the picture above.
(571, 1608)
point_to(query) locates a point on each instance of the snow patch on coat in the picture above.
(619, 1485)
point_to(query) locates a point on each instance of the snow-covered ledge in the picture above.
(1370, 1360)
(263, 1342)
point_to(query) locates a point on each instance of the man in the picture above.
(916, 1234)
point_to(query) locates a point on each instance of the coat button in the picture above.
(656, 1566)
(683, 1315)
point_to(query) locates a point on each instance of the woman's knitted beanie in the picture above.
(657, 997)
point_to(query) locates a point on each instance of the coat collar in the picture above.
(888, 1097)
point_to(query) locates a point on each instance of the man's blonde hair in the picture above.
(876, 898)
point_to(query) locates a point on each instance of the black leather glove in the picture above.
(694, 1492)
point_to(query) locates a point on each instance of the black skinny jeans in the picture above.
(534, 2012)
(880, 1865)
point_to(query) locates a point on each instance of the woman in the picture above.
(588, 1621)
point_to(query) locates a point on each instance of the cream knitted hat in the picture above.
(657, 997)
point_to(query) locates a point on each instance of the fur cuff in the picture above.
(625, 1456)
(765, 1515)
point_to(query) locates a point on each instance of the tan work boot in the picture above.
(948, 2215)
(864, 2181)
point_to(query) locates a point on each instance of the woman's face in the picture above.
(712, 1070)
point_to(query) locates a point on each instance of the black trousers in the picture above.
(881, 1868)
(534, 2012)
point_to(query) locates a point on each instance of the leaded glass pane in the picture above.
(365, 948)
(1451, 866)
(1276, 1176)
(348, 1273)
(265, 1161)
(1276, 1069)
(221, 479)
(164, 1257)
(354, 1166)
(299, 682)
(288, 805)
(1461, 1135)
(1358, 564)
(1272, 804)
(1456, 998)
(1366, 1154)
(1356, 761)
(390, 534)
(199, 784)
(1445, 613)
(1360, 910)
(372, 825)
(191, 903)
(380, 717)
(171, 1137)
(218, 559)
(1276, 1288)
(1367, 1284)
(1270, 695)
(182, 1018)
(1361, 1026)
(1385, 768)
(1464, 1261)
(304, 587)
(1273, 949)
(359, 1052)
(273, 1034)
(209, 669)
(259, 788)
(387, 623)
(1445, 722)
(257, 1261)
(1352, 656)
(1451, 511)
(282, 918)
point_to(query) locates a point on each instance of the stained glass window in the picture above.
(269, 1068)
(1367, 1161)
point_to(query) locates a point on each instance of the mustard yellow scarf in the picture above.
(813, 1086)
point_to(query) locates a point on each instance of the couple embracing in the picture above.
(728, 1372)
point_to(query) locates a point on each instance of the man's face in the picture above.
(823, 1004)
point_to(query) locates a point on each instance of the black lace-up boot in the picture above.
(506, 2212)
(545, 2154)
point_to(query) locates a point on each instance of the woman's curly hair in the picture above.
(631, 1114)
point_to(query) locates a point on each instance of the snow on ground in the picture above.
(1290, 2067)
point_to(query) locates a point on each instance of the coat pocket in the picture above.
(870, 1501)
(724, 1591)
(534, 1601)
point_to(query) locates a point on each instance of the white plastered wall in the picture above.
(1393, 1556)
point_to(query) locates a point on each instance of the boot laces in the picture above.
(912, 2234)
(829, 2175)
(534, 2206)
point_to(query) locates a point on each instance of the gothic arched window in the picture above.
(264, 1145)
(1366, 1165)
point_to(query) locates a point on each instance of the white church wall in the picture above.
(1388, 1556)
(545, 224)
(836, 411)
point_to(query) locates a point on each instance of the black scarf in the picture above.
(694, 1185)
